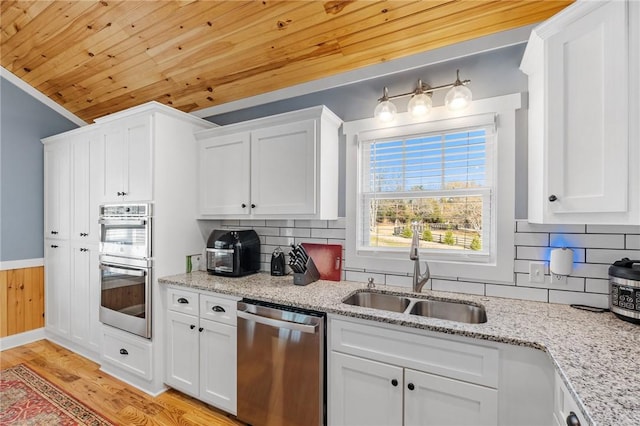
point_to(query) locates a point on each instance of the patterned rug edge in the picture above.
(75, 408)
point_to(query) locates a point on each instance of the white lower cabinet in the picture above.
(564, 406)
(201, 347)
(126, 351)
(366, 392)
(382, 376)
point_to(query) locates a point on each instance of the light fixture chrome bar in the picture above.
(425, 89)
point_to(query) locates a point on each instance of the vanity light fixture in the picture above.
(458, 98)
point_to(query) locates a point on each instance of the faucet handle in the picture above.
(370, 283)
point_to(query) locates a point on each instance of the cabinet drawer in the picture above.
(128, 353)
(182, 301)
(218, 309)
(444, 357)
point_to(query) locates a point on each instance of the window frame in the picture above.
(428, 129)
(499, 265)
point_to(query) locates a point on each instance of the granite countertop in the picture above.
(596, 354)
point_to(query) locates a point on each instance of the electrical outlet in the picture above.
(536, 272)
(558, 279)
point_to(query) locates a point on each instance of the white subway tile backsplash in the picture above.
(633, 242)
(524, 226)
(515, 292)
(328, 233)
(311, 223)
(590, 270)
(539, 239)
(594, 285)
(401, 281)
(613, 229)
(595, 248)
(613, 241)
(570, 297)
(458, 287)
(364, 277)
(295, 232)
(279, 241)
(610, 256)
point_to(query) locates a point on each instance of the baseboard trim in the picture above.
(16, 340)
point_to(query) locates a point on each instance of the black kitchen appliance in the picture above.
(233, 253)
(277, 263)
(624, 286)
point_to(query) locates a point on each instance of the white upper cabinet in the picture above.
(581, 122)
(284, 166)
(126, 153)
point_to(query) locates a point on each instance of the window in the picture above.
(440, 181)
(454, 175)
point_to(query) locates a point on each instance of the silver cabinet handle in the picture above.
(278, 323)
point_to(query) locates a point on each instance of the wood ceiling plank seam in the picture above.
(449, 24)
(431, 18)
(241, 30)
(77, 45)
(247, 53)
(43, 27)
(14, 15)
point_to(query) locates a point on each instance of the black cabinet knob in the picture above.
(244, 205)
(183, 301)
(124, 352)
(119, 193)
(192, 326)
(552, 198)
(54, 232)
(411, 386)
(394, 382)
(253, 206)
(218, 309)
(572, 419)
(200, 329)
(54, 246)
(124, 193)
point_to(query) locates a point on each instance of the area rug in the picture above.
(28, 399)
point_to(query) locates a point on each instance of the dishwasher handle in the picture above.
(278, 323)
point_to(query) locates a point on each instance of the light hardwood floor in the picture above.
(119, 402)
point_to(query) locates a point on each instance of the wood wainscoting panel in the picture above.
(21, 300)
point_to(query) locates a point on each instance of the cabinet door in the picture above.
(587, 113)
(137, 166)
(57, 287)
(218, 365)
(224, 175)
(112, 153)
(283, 169)
(57, 179)
(363, 392)
(84, 157)
(436, 400)
(85, 289)
(182, 352)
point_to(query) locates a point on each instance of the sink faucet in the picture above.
(419, 279)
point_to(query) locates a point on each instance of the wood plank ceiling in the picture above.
(99, 57)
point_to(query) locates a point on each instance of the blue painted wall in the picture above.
(23, 122)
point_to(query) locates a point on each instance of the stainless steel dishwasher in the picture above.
(281, 365)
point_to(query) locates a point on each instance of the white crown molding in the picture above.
(39, 96)
(20, 264)
(448, 53)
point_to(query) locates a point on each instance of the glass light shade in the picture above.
(419, 105)
(385, 111)
(458, 98)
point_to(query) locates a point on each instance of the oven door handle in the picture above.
(277, 323)
(124, 222)
(126, 271)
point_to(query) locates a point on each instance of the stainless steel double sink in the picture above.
(448, 310)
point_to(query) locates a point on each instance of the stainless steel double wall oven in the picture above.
(126, 267)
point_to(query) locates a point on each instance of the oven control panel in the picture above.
(127, 210)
